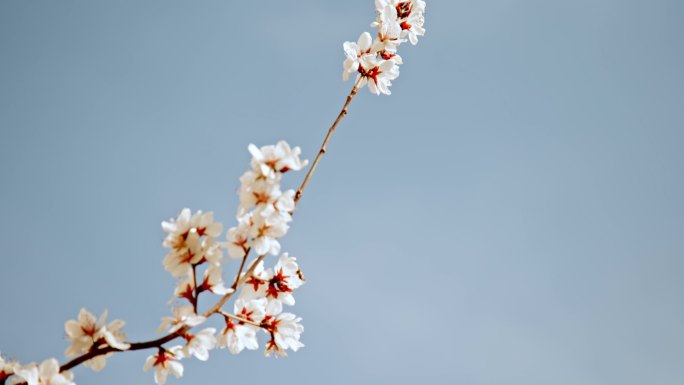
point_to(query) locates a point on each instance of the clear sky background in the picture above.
(512, 214)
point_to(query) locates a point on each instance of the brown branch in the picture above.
(324, 146)
(195, 296)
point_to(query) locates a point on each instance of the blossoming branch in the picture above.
(196, 255)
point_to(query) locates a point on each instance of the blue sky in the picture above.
(512, 214)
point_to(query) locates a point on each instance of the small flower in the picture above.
(268, 225)
(165, 362)
(409, 16)
(280, 158)
(376, 64)
(377, 73)
(237, 336)
(182, 316)
(238, 236)
(47, 373)
(86, 332)
(353, 52)
(284, 329)
(389, 28)
(213, 281)
(257, 193)
(200, 344)
(191, 239)
(277, 284)
(251, 310)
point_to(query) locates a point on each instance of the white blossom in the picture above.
(278, 158)
(213, 281)
(267, 226)
(165, 362)
(86, 332)
(238, 335)
(277, 284)
(377, 73)
(200, 344)
(375, 63)
(238, 236)
(389, 28)
(258, 192)
(284, 330)
(409, 16)
(353, 52)
(191, 239)
(47, 373)
(182, 316)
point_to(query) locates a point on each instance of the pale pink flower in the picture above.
(278, 158)
(284, 330)
(238, 335)
(191, 239)
(86, 332)
(238, 236)
(213, 281)
(200, 344)
(165, 362)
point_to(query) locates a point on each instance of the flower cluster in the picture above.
(263, 216)
(265, 211)
(261, 306)
(376, 60)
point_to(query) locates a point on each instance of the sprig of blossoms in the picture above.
(376, 60)
(263, 217)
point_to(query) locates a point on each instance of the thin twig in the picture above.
(195, 295)
(324, 146)
(238, 318)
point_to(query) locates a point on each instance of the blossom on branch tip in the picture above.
(409, 16)
(165, 362)
(47, 373)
